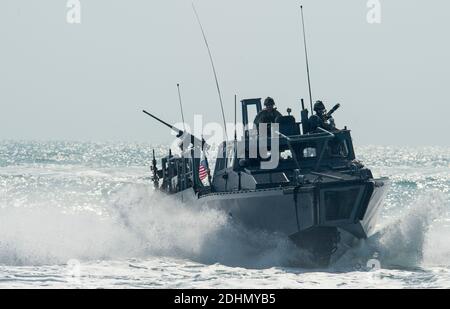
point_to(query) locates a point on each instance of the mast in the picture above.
(306, 56)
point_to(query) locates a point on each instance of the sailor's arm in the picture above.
(258, 118)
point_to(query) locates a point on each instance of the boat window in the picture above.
(286, 155)
(339, 148)
(172, 168)
(309, 152)
(252, 111)
(268, 178)
(230, 156)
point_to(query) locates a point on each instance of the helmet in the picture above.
(269, 102)
(318, 106)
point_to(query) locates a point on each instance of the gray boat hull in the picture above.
(311, 215)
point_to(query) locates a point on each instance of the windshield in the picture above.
(328, 151)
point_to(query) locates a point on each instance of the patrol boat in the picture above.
(318, 194)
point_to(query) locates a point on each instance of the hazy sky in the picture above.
(90, 81)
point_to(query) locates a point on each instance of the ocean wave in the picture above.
(91, 207)
(416, 237)
(137, 223)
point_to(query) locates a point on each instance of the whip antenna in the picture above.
(213, 68)
(181, 107)
(235, 118)
(306, 56)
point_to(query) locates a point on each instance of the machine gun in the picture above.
(328, 115)
(154, 168)
(194, 140)
(304, 116)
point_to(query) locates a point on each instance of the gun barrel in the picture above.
(163, 122)
(335, 108)
(194, 139)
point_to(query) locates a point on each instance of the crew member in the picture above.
(321, 119)
(269, 114)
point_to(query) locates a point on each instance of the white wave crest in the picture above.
(412, 239)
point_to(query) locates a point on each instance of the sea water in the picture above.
(84, 215)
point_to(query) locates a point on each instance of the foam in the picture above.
(137, 224)
(414, 238)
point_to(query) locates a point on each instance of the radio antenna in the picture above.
(235, 118)
(213, 68)
(306, 56)
(181, 107)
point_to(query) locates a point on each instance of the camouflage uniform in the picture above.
(266, 115)
(319, 120)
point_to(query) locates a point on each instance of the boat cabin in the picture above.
(299, 151)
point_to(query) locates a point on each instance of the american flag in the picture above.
(203, 171)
